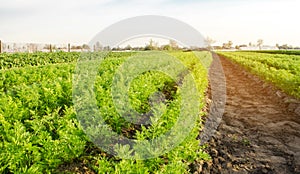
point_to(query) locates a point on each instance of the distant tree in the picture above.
(15, 47)
(3, 46)
(76, 47)
(47, 47)
(260, 43)
(32, 47)
(50, 47)
(166, 47)
(227, 45)
(151, 46)
(98, 46)
(230, 43)
(86, 46)
(155, 45)
(208, 42)
(107, 48)
(224, 46)
(118, 48)
(217, 47)
(128, 47)
(173, 44)
(138, 48)
(148, 47)
(285, 47)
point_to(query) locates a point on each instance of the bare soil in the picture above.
(259, 131)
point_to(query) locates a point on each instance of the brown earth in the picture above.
(259, 131)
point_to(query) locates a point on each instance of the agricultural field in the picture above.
(18, 60)
(287, 52)
(39, 130)
(260, 128)
(281, 68)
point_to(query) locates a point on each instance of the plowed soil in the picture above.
(260, 129)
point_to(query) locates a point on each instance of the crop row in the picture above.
(281, 70)
(39, 130)
(17, 60)
(287, 52)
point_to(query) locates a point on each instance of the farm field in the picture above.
(279, 68)
(150, 87)
(287, 52)
(39, 130)
(17, 60)
(260, 128)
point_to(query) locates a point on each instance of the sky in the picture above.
(78, 21)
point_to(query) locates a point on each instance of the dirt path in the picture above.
(260, 129)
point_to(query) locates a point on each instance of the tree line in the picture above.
(229, 45)
(151, 45)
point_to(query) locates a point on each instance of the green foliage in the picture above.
(287, 52)
(38, 127)
(280, 69)
(16, 60)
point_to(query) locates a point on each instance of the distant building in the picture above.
(256, 48)
(269, 48)
(249, 48)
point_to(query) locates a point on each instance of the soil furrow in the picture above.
(260, 129)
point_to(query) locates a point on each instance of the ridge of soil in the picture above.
(260, 128)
